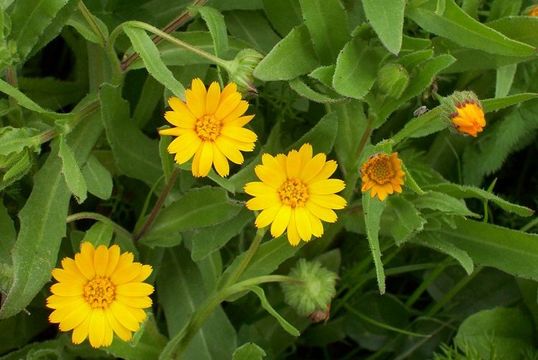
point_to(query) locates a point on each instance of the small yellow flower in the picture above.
(382, 175)
(99, 293)
(295, 193)
(209, 126)
(468, 118)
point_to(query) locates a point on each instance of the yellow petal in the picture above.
(69, 265)
(220, 162)
(140, 302)
(183, 120)
(75, 317)
(293, 234)
(195, 103)
(124, 316)
(126, 274)
(80, 333)
(120, 330)
(313, 167)
(269, 176)
(322, 213)
(134, 289)
(172, 131)
(186, 147)
(240, 121)
(100, 260)
(145, 272)
(213, 98)
(67, 289)
(306, 153)
(267, 216)
(239, 134)
(293, 164)
(328, 186)
(317, 226)
(226, 146)
(68, 276)
(263, 202)
(113, 259)
(258, 188)
(228, 90)
(196, 162)
(206, 158)
(331, 201)
(84, 260)
(125, 261)
(228, 105)
(303, 223)
(328, 169)
(233, 115)
(282, 219)
(58, 301)
(97, 328)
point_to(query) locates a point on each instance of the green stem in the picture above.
(158, 205)
(98, 217)
(91, 21)
(427, 282)
(254, 245)
(177, 346)
(530, 225)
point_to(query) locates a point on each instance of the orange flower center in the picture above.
(379, 169)
(293, 193)
(99, 292)
(208, 128)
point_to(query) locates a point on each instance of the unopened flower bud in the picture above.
(465, 112)
(241, 68)
(314, 289)
(392, 79)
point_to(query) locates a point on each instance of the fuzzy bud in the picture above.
(241, 68)
(313, 292)
(464, 112)
(392, 79)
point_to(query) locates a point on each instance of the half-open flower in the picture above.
(382, 175)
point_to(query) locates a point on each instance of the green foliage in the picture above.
(446, 269)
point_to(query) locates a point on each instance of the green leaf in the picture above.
(356, 69)
(520, 28)
(289, 328)
(217, 27)
(373, 209)
(386, 17)
(426, 124)
(198, 208)
(79, 23)
(464, 192)
(484, 242)
(504, 333)
(438, 243)
(98, 178)
(148, 343)
(407, 220)
(321, 136)
(207, 240)
(442, 202)
(248, 351)
(181, 292)
(454, 24)
(15, 140)
(301, 88)
(324, 74)
(71, 172)
(29, 20)
(135, 155)
(99, 234)
(149, 53)
(351, 125)
(327, 23)
(42, 222)
(253, 28)
(505, 78)
(284, 15)
(7, 235)
(281, 62)
(491, 105)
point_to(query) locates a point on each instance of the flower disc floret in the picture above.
(98, 293)
(209, 128)
(382, 175)
(295, 194)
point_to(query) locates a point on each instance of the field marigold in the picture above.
(209, 127)
(382, 174)
(465, 113)
(99, 293)
(295, 194)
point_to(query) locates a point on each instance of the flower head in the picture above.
(99, 293)
(209, 127)
(466, 113)
(314, 291)
(382, 174)
(295, 193)
(533, 11)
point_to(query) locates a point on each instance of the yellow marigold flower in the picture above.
(382, 174)
(468, 118)
(209, 126)
(295, 193)
(99, 293)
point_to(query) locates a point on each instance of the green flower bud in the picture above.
(314, 290)
(392, 79)
(241, 68)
